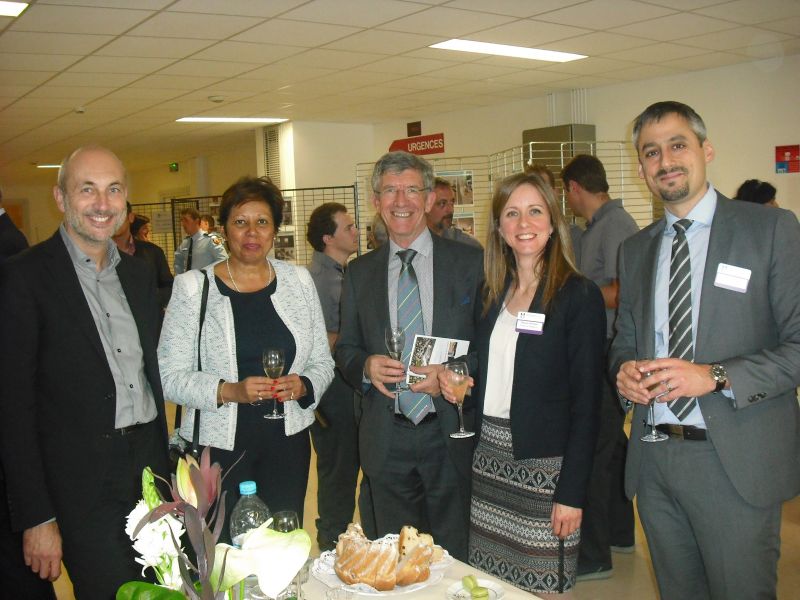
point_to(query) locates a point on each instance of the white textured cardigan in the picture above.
(296, 303)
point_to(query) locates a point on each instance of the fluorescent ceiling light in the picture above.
(230, 120)
(504, 50)
(12, 9)
(48, 166)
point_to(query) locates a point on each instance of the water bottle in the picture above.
(249, 513)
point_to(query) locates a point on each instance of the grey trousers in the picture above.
(705, 540)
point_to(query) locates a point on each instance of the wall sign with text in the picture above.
(787, 159)
(421, 144)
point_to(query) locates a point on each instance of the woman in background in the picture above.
(537, 394)
(254, 303)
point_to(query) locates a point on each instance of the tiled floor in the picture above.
(633, 577)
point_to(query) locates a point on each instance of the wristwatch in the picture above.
(720, 375)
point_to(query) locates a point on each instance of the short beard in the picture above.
(674, 194)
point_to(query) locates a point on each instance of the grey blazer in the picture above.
(457, 281)
(756, 335)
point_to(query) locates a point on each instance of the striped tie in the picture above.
(680, 309)
(409, 317)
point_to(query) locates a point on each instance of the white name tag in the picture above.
(528, 322)
(732, 278)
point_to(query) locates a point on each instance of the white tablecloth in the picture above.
(315, 590)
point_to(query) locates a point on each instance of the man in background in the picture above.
(711, 291)
(415, 473)
(440, 217)
(12, 240)
(198, 249)
(607, 511)
(334, 237)
(81, 405)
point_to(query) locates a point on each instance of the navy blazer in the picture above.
(556, 393)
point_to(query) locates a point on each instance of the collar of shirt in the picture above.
(199, 235)
(702, 213)
(326, 261)
(607, 206)
(2, 211)
(423, 245)
(82, 261)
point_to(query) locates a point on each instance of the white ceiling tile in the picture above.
(776, 50)
(142, 4)
(331, 59)
(735, 38)
(250, 8)
(248, 51)
(512, 8)
(604, 14)
(360, 78)
(683, 4)
(597, 43)
(675, 26)
(242, 84)
(790, 25)
(12, 90)
(512, 62)
(281, 74)
(300, 33)
(174, 82)
(25, 77)
(584, 81)
(749, 12)
(37, 62)
(590, 66)
(191, 25)
(384, 42)
(456, 22)
(439, 54)
(705, 61)
(209, 68)
(76, 95)
(93, 80)
(404, 66)
(51, 43)
(472, 71)
(416, 82)
(74, 19)
(657, 53)
(642, 72)
(143, 93)
(527, 33)
(119, 64)
(145, 47)
(360, 13)
(468, 88)
(532, 77)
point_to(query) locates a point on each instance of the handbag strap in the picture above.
(203, 304)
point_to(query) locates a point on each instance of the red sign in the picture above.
(421, 144)
(787, 159)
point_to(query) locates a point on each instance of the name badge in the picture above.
(528, 322)
(732, 278)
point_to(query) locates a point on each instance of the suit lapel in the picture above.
(379, 275)
(646, 342)
(63, 276)
(719, 245)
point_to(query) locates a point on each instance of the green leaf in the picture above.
(140, 590)
(149, 493)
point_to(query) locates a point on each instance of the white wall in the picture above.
(326, 154)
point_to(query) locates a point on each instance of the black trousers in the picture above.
(603, 500)
(15, 576)
(336, 445)
(98, 554)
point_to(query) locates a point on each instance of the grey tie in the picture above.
(409, 317)
(680, 309)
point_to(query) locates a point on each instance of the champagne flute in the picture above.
(272, 359)
(395, 342)
(458, 374)
(655, 435)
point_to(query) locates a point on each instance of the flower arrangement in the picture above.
(197, 509)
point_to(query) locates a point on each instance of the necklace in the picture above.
(233, 281)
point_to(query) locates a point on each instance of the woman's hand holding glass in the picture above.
(250, 390)
(287, 388)
(447, 387)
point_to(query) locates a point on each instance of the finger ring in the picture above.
(292, 396)
(669, 387)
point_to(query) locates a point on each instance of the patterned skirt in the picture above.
(510, 532)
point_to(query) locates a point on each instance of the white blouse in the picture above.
(500, 376)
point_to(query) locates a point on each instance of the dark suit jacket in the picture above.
(558, 377)
(457, 281)
(12, 240)
(154, 255)
(58, 395)
(756, 335)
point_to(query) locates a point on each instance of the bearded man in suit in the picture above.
(711, 291)
(414, 473)
(81, 405)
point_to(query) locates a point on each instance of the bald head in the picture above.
(92, 151)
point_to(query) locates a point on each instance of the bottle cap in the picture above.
(247, 488)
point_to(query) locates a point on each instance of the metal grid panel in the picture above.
(165, 240)
(461, 171)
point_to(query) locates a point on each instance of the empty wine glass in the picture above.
(285, 521)
(655, 435)
(458, 374)
(272, 359)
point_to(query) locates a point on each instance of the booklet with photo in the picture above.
(429, 350)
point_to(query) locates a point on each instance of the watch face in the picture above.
(719, 373)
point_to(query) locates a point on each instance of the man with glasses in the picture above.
(440, 217)
(414, 473)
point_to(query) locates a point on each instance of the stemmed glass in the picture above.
(655, 435)
(458, 374)
(285, 521)
(395, 342)
(272, 359)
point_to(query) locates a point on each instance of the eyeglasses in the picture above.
(411, 192)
